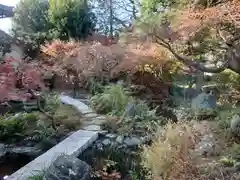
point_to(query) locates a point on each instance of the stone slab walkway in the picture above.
(73, 145)
(94, 120)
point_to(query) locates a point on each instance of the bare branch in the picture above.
(120, 21)
(190, 62)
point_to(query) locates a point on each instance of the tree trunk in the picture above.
(199, 81)
(111, 18)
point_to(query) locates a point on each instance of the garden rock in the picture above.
(93, 128)
(182, 112)
(208, 146)
(68, 168)
(112, 136)
(2, 150)
(106, 142)
(146, 139)
(204, 104)
(235, 125)
(28, 151)
(120, 139)
(130, 109)
(132, 141)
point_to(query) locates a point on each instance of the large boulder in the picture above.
(68, 168)
(208, 146)
(204, 104)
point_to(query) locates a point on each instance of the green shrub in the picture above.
(225, 114)
(52, 102)
(228, 78)
(42, 131)
(114, 98)
(233, 159)
(143, 112)
(12, 127)
(94, 87)
(142, 120)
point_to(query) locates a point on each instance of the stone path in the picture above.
(94, 121)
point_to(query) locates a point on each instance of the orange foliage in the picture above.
(192, 20)
(102, 39)
(86, 60)
(96, 60)
(16, 78)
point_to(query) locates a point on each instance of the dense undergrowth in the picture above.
(170, 155)
(125, 114)
(36, 125)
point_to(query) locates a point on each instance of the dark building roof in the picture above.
(6, 11)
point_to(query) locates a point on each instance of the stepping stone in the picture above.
(98, 121)
(92, 128)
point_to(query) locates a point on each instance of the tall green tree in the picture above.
(31, 24)
(36, 21)
(71, 18)
(31, 16)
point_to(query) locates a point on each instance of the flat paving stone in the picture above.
(98, 122)
(93, 128)
(80, 106)
(73, 145)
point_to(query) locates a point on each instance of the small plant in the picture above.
(94, 87)
(169, 155)
(52, 102)
(13, 127)
(142, 120)
(42, 131)
(234, 158)
(228, 120)
(114, 98)
(38, 176)
(138, 119)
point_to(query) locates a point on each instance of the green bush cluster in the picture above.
(113, 99)
(225, 115)
(52, 102)
(127, 115)
(233, 159)
(37, 21)
(228, 78)
(38, 175)
(13, 127)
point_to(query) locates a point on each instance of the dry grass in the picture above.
(68, 117)
(169, 156)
